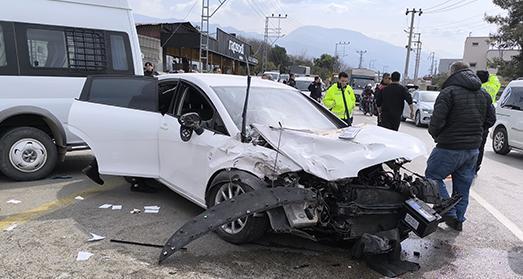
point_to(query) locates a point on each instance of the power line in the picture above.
(452, 7)
(178, 27)
(438, 5)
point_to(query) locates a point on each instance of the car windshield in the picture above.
(429, 97)
(303, 85)
(270, 106)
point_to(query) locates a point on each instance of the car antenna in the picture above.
(244, 136)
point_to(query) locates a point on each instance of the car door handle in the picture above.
(164, 126)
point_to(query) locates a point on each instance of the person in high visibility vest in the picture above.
(490, 83)
(340, 98)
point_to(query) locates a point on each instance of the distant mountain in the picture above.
(312, 41)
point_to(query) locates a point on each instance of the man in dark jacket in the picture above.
(457, 125)
(315, 89)
(292, 81)
(491, 118)
(391, 101)
(385, 81)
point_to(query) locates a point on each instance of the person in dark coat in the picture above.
(292, 81)
(149, 70)
(457, 125)
(391, 102)
(385, 81)
(315, 89)
(490, 121)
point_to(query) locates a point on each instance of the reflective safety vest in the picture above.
(492, 87)
(333, 100)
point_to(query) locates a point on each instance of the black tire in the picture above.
(37, 138)
(417, 119)
(500, 141)
(255, 226)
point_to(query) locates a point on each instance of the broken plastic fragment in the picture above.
(95, 237)
(135, 211)
(83, 256)
(117, 207)
(13, 201)
(10, 228)
(80, 198)
(151, 209)
(105, 205)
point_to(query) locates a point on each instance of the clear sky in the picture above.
(444, 24)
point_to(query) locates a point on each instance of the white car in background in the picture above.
(302, 84)
(423, 103)
(508, 131)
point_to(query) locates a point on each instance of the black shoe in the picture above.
(453, 223)
(93, 174)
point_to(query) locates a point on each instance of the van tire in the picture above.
(44, 150)
(500, 141)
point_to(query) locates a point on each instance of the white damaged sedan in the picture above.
(307, 173)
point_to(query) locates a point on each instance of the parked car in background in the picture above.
(275, 75)
(45, 56)
(423, 103)
(302, 84)
(507, 133)
(284, 77)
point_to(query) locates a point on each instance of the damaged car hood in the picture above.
(325, 155)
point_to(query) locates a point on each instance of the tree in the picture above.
(279, 57)
(325, 65)
(509, 35)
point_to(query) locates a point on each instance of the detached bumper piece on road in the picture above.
(380, 250)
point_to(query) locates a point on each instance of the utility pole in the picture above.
(204, 32)
(361, 53)
(343, 52)
(409, 45)
(433, 58)
(417, 43)
(274, 32)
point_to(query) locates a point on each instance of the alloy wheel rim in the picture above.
(499, 141)
(28, 155)
(227, 192)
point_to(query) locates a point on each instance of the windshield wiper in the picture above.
(244, 137)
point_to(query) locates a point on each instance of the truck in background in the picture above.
(301, 71)
(359, 78)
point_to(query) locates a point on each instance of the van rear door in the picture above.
(118, 118)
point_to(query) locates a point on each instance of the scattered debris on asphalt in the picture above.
(10, 228)
(83, 256)
(80, 198)
(135, 211)
(151, 209)
(336, 265)
(117, 207)
(13, 201)
(95, 237)
(301, 266)
(136, 243)
(104, 206)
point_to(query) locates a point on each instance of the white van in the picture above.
(508, 130)
(47, 49)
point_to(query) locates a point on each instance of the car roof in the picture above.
(427, 91)
(516, 83)
(304, 78)
(217, 80)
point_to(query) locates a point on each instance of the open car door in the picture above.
(117, 116)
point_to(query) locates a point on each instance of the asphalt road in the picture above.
(52, 227)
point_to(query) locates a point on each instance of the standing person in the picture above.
(487, 84)
(460, 113)
(391, 102)
(315, 89)
(385, 81)
(149, 70)
(217, 70)
(367, 100)
(490, 83)
(340, 98)
(291, 81)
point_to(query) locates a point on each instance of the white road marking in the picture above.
(498, 215)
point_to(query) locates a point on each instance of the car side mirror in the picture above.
(190, 122)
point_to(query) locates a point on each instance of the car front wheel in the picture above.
(27, 153)
(243, 230)
(500, 141)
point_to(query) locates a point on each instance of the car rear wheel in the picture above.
(242, 230)
(500, 141)
(417, 119)
(27, 153)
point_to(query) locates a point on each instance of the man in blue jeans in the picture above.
(458, 120)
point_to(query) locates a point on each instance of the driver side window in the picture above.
(193, 100)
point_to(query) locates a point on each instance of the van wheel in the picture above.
(242, 230)
(500, 141)
(27, 153)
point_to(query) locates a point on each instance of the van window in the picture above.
(86, 49)
(47, 48)
(3, 55)
(118, 52)
(127, 92)
(512, 98)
